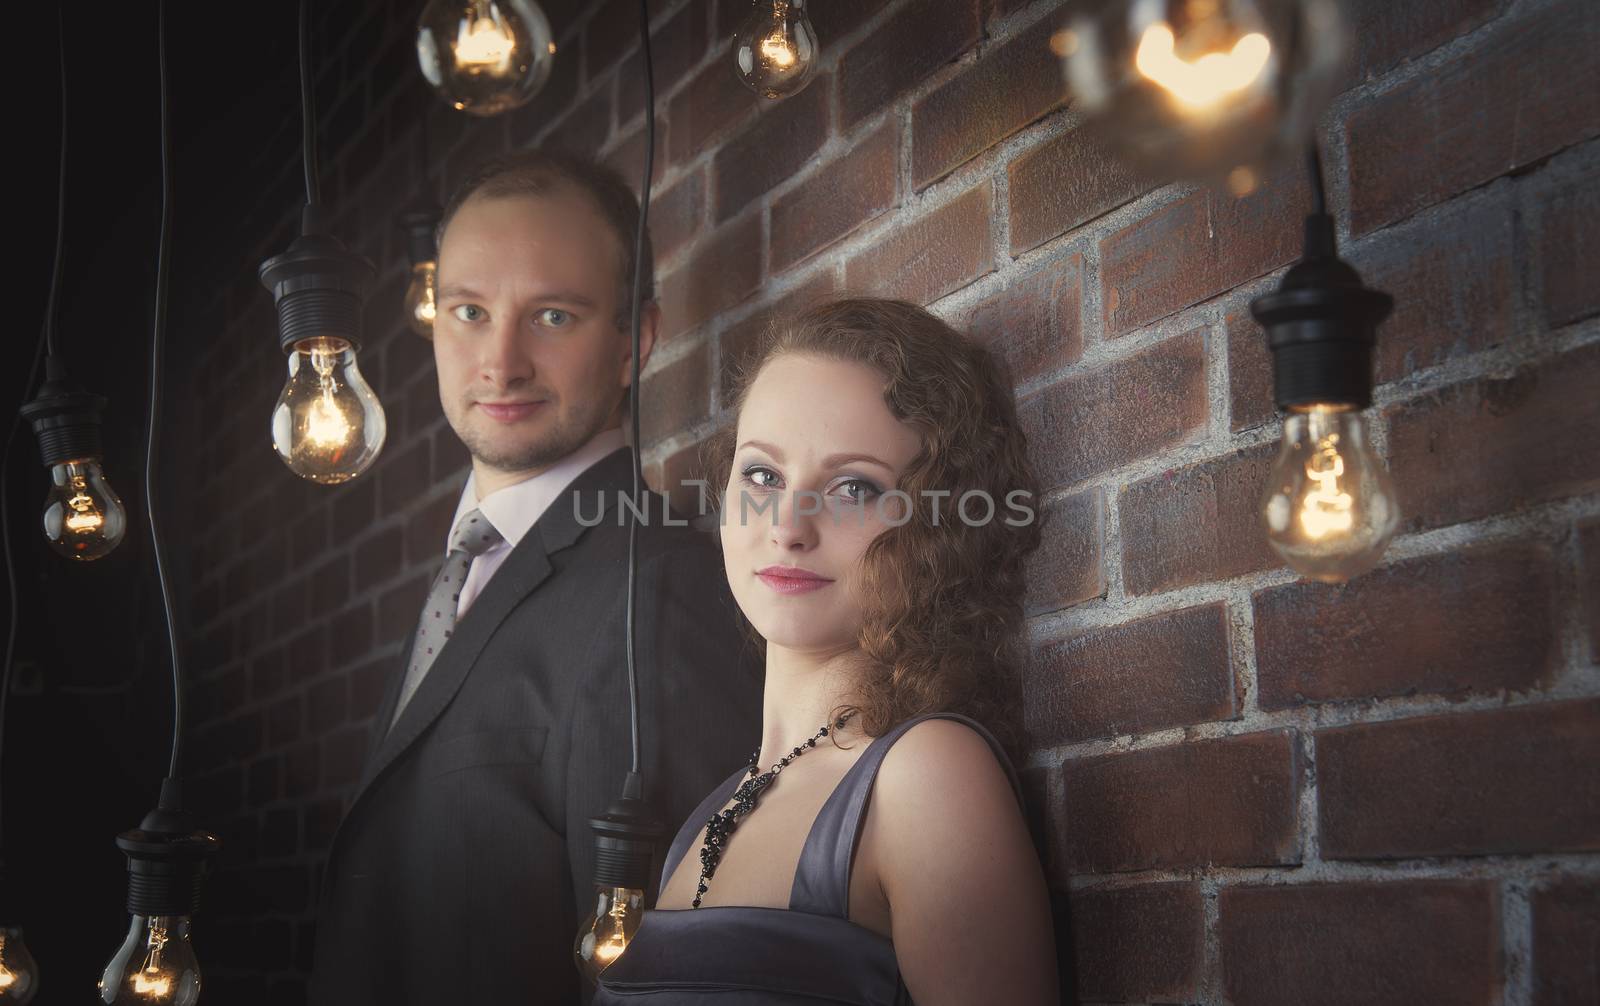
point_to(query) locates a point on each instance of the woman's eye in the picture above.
(552, 317)
(858, 490)
(757, 476)
(467, 312)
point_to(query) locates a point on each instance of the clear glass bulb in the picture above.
(19, 975)
(485, 56)
(775, 49)
(328, 425)
(421, 302)
(1329, 508)
(604, 935)
(1198, 88)
(83, 518)
(155, 964)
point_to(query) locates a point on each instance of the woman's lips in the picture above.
(790, 581)
(509, 412)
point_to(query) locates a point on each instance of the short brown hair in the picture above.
(942, 600)
(540, 172)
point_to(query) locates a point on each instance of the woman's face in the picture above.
(815, 450)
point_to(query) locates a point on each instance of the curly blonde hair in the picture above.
(942, 602)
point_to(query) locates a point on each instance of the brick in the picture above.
(280, 833)
(326, 702)
(400, 607)
(264, 780)
(403, 477)
(353, 504)
(525, 124)
(771, 149)
(612, 31)
(675, 47)
(1067, 567)
(484, 140)
(1090, 423)
(319, 821)
(1589, 578)
(1566, 935)
(937, 252)
(351, 636)
(1228, 802)
(1065, 182)
(1511, 781)
(625, 155)
(368, 682)
(342, 756)
(585, 129)
(1250, 392)
(1009, 86)
(1385, 33)
(330, 584)
(837, 198)
(1509, 103)
(1137, 944)
(1498, 444)
(677, 395)
(1035, 323)
(1477, 620)
(920, 37)
(740, 341)
(300, 770)
(724, 270)
(1162, 671)
(427, 530)
(1197, 524)
(1569, 243)
(707, 106)
(1193, 249)
(378, 558)
(284, 719)
(450, 459)
(677, 215)
(682, 465)
(1387, 944)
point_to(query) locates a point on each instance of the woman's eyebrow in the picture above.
(831, 461)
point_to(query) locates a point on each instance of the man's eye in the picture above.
(552, 317)
(759, 476)
(467, 312)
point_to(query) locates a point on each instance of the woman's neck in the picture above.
(803, 690)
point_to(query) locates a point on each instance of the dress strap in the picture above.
(822, 877)
(710, 805)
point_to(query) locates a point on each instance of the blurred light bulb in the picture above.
(1329, 508)
(485, 56)
(155, 964)
(604, 935)
(19, 975)
(83, 518)
(775, 49)
(1199, 87)
(328, 426)
(421, 300)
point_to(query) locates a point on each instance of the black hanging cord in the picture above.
(61, 194)
(152, 441)
(307, 112)
(1319, 195)
(633, 385)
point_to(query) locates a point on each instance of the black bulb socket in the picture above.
(625, 839)
(65, 418)
(318, 285)
(1322, 323)
(168, 857)
(421, 225)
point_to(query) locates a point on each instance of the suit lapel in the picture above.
(528, 566)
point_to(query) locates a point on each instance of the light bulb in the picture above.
(1329, 508)
(83, 519)
(485, 56)
(328, 426)
(19, 975)
(604, 935)
(1199, 88)
(155, 964)
(421, 302)
(775, 49)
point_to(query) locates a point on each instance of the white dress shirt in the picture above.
(515, 509)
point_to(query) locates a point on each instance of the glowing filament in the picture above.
(485, 43)
(617, 942)
(7, 978)
(1326, 509)
(326, 425)
(151, 979)
(427, 306)
(777, 50)
(1208, 79)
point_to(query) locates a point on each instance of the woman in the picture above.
(876, 513)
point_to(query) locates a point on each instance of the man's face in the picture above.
(530, 362)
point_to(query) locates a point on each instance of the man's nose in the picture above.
(502, 359)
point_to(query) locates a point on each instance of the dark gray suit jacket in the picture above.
(464, 864)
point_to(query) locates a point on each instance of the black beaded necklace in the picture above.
(720, 826)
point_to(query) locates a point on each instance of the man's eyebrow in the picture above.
(454, 290)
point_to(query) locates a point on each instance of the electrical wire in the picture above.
(61, 194)
(152, 440)
(1319, 195)
(308, 122)
(633, 385)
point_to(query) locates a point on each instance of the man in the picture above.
(464, 864)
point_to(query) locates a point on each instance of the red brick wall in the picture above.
(1256, 789)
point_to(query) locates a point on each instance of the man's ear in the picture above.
(649, 325)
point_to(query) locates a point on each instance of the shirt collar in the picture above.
(516, 508)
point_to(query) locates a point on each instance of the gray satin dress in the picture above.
(745, 956)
